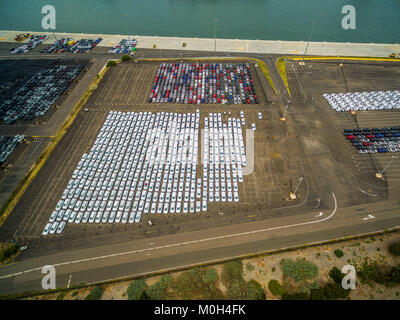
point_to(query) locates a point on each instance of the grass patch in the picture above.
(299, 270)
(8, 251)
(281, 66)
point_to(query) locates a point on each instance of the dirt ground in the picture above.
(355, 252)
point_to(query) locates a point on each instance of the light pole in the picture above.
(126, 28)
(379, 174)
(293, 194)
(283, 118)
(309, 39)
(215, 36)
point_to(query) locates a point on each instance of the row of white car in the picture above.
(364, 101)
(223, 150)
(141, 163)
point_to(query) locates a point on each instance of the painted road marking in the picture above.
(370, 216)
(69, 281)
(372, 195)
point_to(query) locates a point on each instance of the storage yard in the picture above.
(69, 45)
(124, 46)
(30, 89)
(203, 84)
(32, 42)
(141, 79)
(283, 153)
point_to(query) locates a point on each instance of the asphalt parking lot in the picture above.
(309, 82)
(309, 145)
(129, 84)
(18, 164)
(274, 176)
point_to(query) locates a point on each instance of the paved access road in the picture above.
(148, 255)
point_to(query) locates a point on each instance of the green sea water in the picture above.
(376, 20)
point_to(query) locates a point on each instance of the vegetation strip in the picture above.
(281, 66)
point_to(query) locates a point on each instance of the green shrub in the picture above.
(249, 267)
(156, 292)
(198, 283)
(125, 57)
(298, 270)
(111, 63)
(159, 290)
(237, 289)
(393, 276)
(95, 294)
(61, 295)
(307, 286)
(394, 248)
(10, 251)
(339, 253)
(75, 293)
(144, 296)
(210, 276)
(255, 291)
(276, 288)
(335, 291)
(232, 270)
(317, 294)
(136, 288)
(372, 272)
(184, 286)
(336, 275)
(166, 281)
